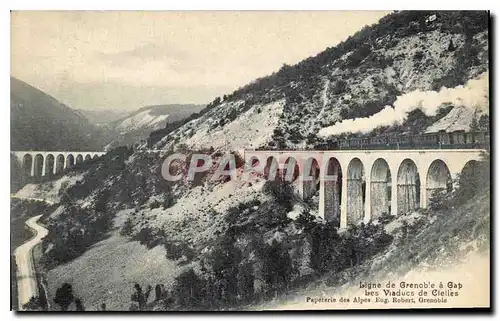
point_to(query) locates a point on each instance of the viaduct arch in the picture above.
(380, 188)
(361, 185)
(47, 163)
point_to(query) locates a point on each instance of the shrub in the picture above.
(146, 236)
(282, 191)
(305, 221)
(36, 303)
(440, 199)
(177, 250)
(74, 233)
(333, 252)
(484, 122)
(363, 241)
(140, 297)
(472, 180)
(358, 55)
(418, 55)
(168, 201)
(154, 204)
(64, 296)
(339, 87)
(79, 305)
(277, 267)
(386, 218)
(127, 228)
(188, 290)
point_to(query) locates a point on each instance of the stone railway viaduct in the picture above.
(360, 185)
(354, 185)
(45, 163)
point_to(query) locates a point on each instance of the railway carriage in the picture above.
(442, 139)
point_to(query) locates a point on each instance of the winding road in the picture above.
(27, 286)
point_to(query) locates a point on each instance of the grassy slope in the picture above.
(107, 272)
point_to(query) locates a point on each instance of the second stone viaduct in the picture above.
(46, 163)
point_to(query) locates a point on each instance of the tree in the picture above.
(474, 126)
(188, 289)
(282, 192)
(484, 122)
(324, 246)
(64, 296)
(224, 261)
(277, 267)
(158, 292)
(472, 180)
(451, 47)
(127, 228)
(245, 281)
(34, 304)
(79, 305)
(358, 55)
(439, 199)
(339, 87)
(305, 220)
(141, 297)
(102, 201)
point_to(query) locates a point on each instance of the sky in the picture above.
(124, 60)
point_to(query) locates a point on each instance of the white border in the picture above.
(492, 5)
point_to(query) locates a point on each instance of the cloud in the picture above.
(119, 96)
(167, 49)
(146, 52)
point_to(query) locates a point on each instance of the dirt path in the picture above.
(27, 286)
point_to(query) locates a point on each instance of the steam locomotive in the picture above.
(441, 140)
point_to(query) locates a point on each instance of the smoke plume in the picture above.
(473, 95)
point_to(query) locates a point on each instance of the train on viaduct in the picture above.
(361, 185)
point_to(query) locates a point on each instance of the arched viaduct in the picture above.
(357, 186)
(45, 163)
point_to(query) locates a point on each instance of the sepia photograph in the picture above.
(167, 161)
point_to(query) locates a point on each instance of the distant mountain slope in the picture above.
(139, 124)
(154, 117)
(40, 122)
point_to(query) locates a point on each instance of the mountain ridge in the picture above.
(137, 125)
(404, 52)
(41, 122)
